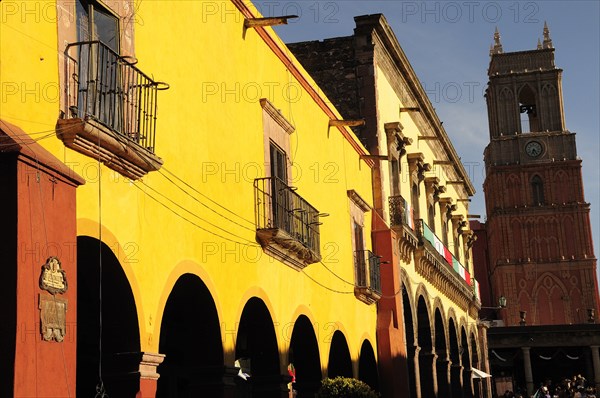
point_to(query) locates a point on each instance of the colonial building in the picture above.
(185, 212)
(429, 340)
(536, 244)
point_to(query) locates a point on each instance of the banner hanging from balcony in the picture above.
(444, 252)
(409, 216)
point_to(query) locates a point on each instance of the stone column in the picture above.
(443, 376)
(148, 374)
(428, 373)
(457, 381)
(417, 372)
(528, 373)
(596, 361)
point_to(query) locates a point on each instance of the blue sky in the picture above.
(447, 43)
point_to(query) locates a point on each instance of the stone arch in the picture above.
(421, 291)
(257, 352)
(426, 353)
(410, 338)
(549, 294)
(340, 362)
(304, 355)
(104, 292)
(367, 365)
(190, 338)
(528, 103)
(185, 267)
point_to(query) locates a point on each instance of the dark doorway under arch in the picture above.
(190, 338)
(442, 368)
(340, 362)
(120, 331)
(410, 342)
(456, 369)
(304, 354)
(426, 353)
(367, 366)
(466, 361)
(257, 343)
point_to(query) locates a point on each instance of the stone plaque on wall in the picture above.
(53, 278)
(53, 316)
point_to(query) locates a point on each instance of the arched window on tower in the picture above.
(537, 189)
(528, 106)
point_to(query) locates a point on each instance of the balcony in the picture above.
(402, 221)
(436, 263)
(110, 109)
(366, 273)
(287, 226)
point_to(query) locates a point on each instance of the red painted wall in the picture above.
(46, 227)
(391, 344)
(41, 222)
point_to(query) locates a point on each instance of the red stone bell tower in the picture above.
(539, 234)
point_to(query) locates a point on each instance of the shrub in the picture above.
(345, 387)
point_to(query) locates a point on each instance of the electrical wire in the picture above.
(194, 214)
(188, 220)
(200, 193)
(206, 206)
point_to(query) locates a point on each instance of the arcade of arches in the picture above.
(442, 351)
(191, 341)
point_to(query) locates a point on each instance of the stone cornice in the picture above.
(277, 116)
(390, 48)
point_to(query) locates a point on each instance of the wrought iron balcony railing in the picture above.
(110, 89)
(400, 212)
(284, 219)
(366, 271)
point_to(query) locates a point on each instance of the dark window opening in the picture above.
(278, 160)
(358, 237)
(528, 106)
(95, 22)
(415, 201)
(431, 217)
(395, 170)
(537, 188)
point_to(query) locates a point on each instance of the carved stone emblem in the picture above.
(53, 315)
(53, 279)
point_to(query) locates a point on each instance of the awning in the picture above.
(479, 374)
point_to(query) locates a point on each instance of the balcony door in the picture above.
(361, 261)
(95, 22)
(101, 92)
(280, 193)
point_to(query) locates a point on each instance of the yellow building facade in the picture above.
(428, 326)
(223, 230)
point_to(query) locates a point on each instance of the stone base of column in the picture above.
(148, 374)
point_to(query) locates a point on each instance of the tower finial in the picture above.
(547, 39)
(497, 48)
(539, 45)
